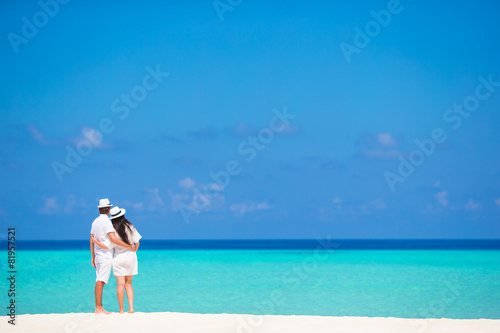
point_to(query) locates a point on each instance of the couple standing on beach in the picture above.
(124, 258)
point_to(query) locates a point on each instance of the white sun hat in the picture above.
(103, 203)
(116, 212)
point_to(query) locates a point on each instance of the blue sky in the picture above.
(170, 92)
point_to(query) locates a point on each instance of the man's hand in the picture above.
(131, 247)
(93, 262)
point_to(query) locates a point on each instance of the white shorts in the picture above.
(103, 268)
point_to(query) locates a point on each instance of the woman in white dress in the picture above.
(125, 264)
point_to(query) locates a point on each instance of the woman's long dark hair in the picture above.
(121, 224)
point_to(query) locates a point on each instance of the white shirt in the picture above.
(100, 228)
(133, 236)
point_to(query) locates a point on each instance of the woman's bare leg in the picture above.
(130, 293)
(120, 281)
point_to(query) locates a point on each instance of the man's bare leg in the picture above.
(120, 285)
(98, 298)
(130, 293)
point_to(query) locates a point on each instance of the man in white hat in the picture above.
(102, 259)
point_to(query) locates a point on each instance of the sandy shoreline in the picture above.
(237, 323)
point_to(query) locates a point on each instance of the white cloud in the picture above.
(197, 199)
(241, 130)
(378, 146)
(215, 203)
(49, 207)
(340, 208)
(386, 139)
(93, 137)
(70, 204)
(470, 205)
(187, 183)
(262, 206)
(74, 205)
(215, 187)
(287, 129)
(378, 204)
(177, 199)
(199, 196)
(200, 200)
(241, 209)
(337, 201)
(138, 206)
(442, 198)
(368, 208)
(443, 204)
(154, 202)
(39, 136)
(429, 209)
(88, 137)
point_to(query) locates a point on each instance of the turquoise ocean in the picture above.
(415, 281)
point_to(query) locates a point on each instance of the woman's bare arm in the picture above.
(119, 242)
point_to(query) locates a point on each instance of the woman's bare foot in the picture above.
(101, 310)
(130, 311)
(121, 311)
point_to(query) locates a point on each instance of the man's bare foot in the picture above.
(121, 311)
(130, 311)
(101, 310)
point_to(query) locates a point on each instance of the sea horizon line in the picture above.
(279, 244)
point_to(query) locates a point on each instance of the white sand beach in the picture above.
(236, 323)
